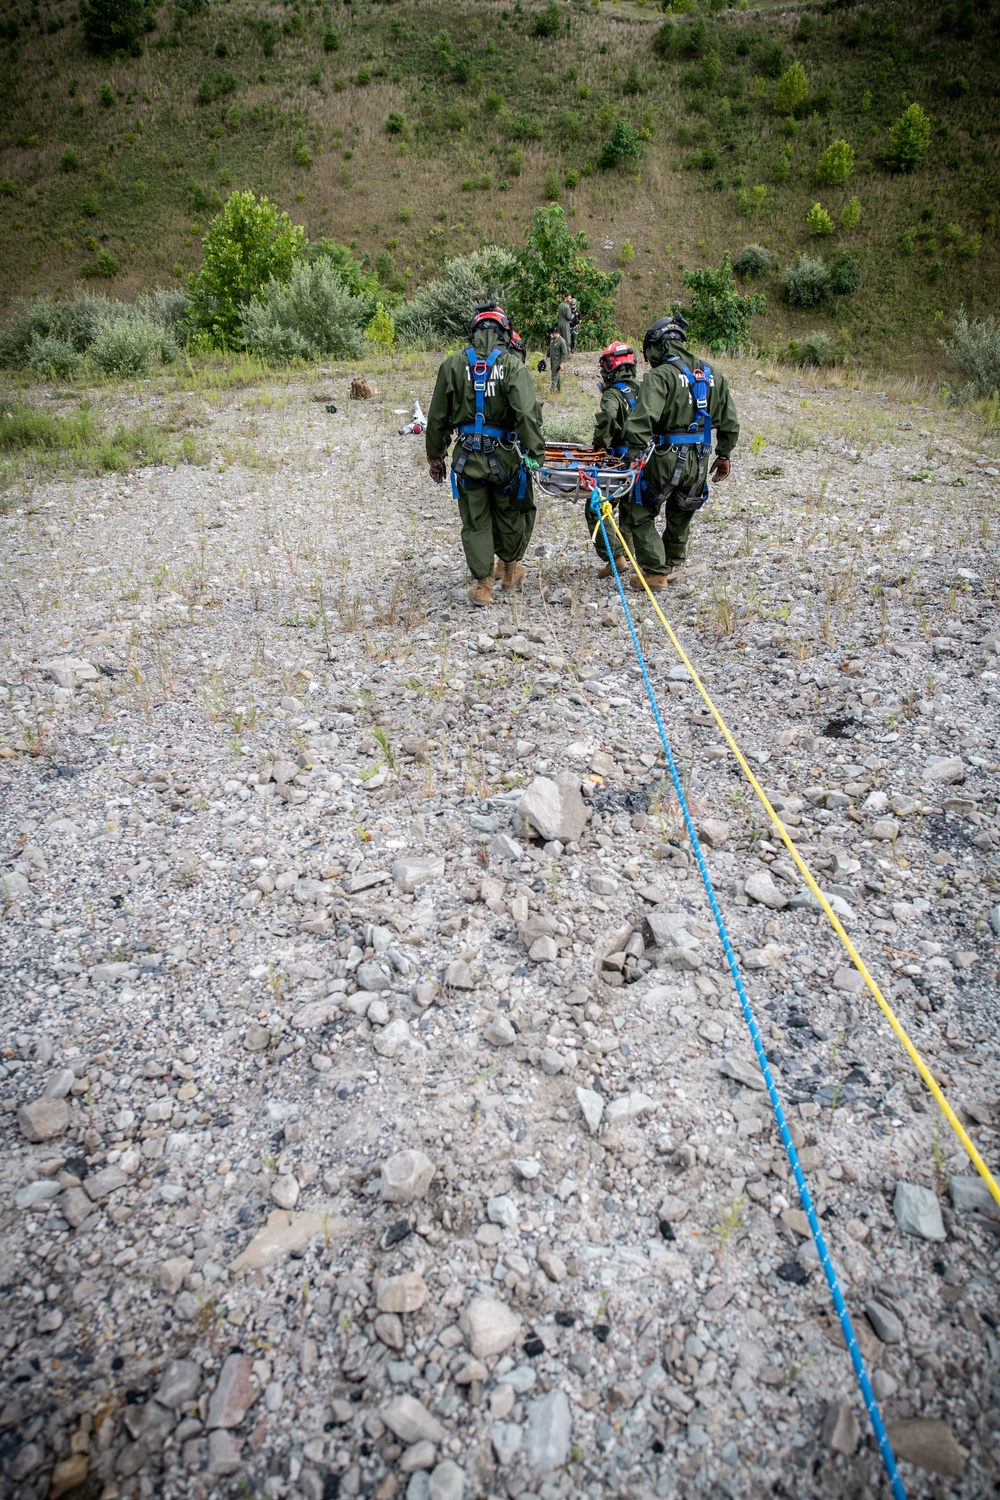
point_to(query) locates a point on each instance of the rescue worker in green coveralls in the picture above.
(682, 404)
(558, 352)
(486, 396)
(564, 320)
(620, 390)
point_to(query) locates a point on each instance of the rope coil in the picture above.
(844, 1317)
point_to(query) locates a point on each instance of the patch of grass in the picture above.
(33, 439)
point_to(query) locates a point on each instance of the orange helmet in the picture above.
(490, 312)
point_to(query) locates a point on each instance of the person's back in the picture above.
(682, 404)
(564, 320)
(618, 397)
(487, 397)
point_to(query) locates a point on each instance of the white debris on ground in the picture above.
(378, 1116)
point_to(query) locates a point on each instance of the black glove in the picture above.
(437, 469)
(719, 470)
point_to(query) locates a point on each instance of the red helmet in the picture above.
(490, 312)
(615, 357)
(518, 345)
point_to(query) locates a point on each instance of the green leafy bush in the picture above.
(792, 91)
(572, 178)
(665, 40)
(69, 161)
(752, 261)
(719, 315)
(771, 59)
(89, 206)
(52, 357)
(248, 245)
(845, 276)
(836, 164)
(552, 187)
(624, 144)
(548, 21)
(106, 95)
(440, 312)
(60, 326)
(381, 331)
(525, 127)
(112, 25)
(815, 349)
(395, 123)
(850, 214)
(819, 220)
(310, 315)
(806, 283)
(910, 138)
(126, 347)
(552, 262)
(974, 347)
(216, 86)
(331, 41)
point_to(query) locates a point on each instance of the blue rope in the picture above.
(861, 1374)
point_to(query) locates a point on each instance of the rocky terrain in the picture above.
(378, 1117)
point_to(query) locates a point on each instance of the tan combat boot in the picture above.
(481, 592)
(606, 572)
(511, 576)
(657, 582)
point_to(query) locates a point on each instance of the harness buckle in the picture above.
(480, 367)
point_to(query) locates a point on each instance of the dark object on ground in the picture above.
(330, 407)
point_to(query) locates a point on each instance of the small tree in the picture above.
(247, 245)
(622, 145)
(548, 21)
(850, 214)
(792, 91)
(381, 331)
(112, 25)
(819, 220)
(975, 348)
(836, 164)
(911, 136)
(752, 261)
(718, 314)
(554, 262)
(845, 276)
(806, 283)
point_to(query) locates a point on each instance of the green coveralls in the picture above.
(609, 433)
(558, 351)
(564, 318)
(664, 406)
(494, 522)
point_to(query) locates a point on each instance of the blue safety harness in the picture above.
(697, 438)
(619, 450)
(481, 437)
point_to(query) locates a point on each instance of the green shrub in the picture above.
(439, 313)
(836, 164)
(552, 262)
(247, 245)
(525, 127)
(268, 33)
(806, 283)
(126, 348)
(819, 220)
(792, 91)
(89, 206)
(718, 314)
(363, 77)
(310, 315)
(358, 281)
(552, 186)
(627, 253)
(294, 25)
(752, 261)
(52, 357)
(771, 59)
(624, 144)
(216, 86)
(910, 138)
(974, 347)
(69, 161)
(74, 325)
(572, 178)
(106, 96)
(970, 247)
(548, 21)
(845, 276)
(303, 156)
(331, 41)
(7, 188)
(665, 41)
(381, 331)
(106, 265)
(815, 349)
(112, 25)
(850, 214)
(633, 81)
(395, 123)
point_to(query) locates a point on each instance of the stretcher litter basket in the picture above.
(571, 471)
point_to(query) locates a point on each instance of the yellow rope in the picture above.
(838, 927)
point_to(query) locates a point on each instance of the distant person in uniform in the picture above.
(558, 353)
(574, 324)
(564, 319)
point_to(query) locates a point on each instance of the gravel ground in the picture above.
(357, 1143)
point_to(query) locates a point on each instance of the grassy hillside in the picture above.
(418, 130)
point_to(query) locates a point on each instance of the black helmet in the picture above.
(669, 330)
(490, 312)
(518, 345)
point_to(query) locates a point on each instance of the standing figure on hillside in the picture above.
(574, 324)
(620, 390)
(558, 353)
(564, 319)
(486, 396)
(680, 406)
